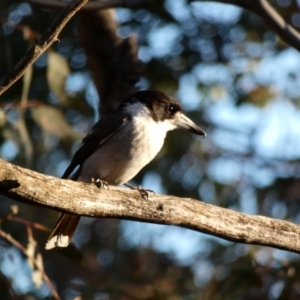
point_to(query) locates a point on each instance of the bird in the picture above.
(119, 145)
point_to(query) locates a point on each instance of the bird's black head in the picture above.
(160, 105)
(163, 108)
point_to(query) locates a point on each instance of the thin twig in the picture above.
(11, 240)
(27, 223)
(31, 224)
(44, 43)
(27, 31)
(16, 105)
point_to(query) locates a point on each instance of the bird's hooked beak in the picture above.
(183, 121)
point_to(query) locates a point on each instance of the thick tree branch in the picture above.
(85, 199)
(43, 44)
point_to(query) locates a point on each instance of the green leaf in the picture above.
(52, 121)
(27, 78)
(3, 118)
(57, 72)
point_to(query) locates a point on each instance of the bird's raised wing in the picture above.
(102, 131)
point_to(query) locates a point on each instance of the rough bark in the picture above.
(86, 199)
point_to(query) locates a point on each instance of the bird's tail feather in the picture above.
(63, 231)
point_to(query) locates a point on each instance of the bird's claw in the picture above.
(101, 184)
(144, 192)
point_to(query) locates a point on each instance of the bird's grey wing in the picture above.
(102, 131)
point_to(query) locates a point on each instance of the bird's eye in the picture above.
(171, 109)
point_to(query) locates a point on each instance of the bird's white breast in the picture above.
(148, 135)
(120, 158)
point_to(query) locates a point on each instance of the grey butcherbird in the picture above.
(120, 145)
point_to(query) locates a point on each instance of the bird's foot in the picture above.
(144, 192)
(100, 184)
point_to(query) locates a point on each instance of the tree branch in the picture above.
(261, 7)
(274, 20)
(44, 43)
(85, 199)
(92, 5)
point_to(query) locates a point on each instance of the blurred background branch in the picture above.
(113, 62)
(272, 18)
(261, 7)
